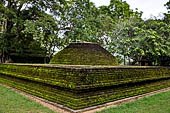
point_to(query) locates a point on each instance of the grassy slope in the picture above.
(12, 102)
(159, 103)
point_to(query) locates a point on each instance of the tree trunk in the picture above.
(129, 60)
(0, 57)
(124, 60)
(4, 58)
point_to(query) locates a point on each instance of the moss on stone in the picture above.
(79, 77)
(85, 98)
(84, 54)
(80, 87)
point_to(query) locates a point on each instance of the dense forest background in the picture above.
(40, 27)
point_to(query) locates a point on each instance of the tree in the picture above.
(140, 40)
(45, 31)
(122, 37)
(167, 15)
(133, 38)
(117, 19)
(80, 22)
(17, 15)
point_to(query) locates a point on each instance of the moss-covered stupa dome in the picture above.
(84, 54)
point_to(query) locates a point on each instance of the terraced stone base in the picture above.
(78, 99)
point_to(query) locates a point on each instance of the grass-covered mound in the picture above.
(84, 54)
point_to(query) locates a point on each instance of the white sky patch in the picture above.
(148, 7)
(101, 2)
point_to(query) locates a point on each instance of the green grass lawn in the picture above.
(12, 102)
(159, 103)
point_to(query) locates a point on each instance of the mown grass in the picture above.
(13, 102)
(159, 103)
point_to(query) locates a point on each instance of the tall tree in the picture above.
(80, 22)
(17, 15)
(140, 40)
(117, 19)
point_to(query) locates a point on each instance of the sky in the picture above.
(148, 7)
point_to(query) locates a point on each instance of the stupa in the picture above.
(86, 78)
(84, 54)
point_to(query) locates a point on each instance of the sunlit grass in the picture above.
(13, 102)
(159, 103)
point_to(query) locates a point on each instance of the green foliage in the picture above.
(54, 24)
(119, 9)
(167, 15)
(163, 31)
(84, 54)
(140, 40)
(45, 31)
(26, 22)
(81, 22)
